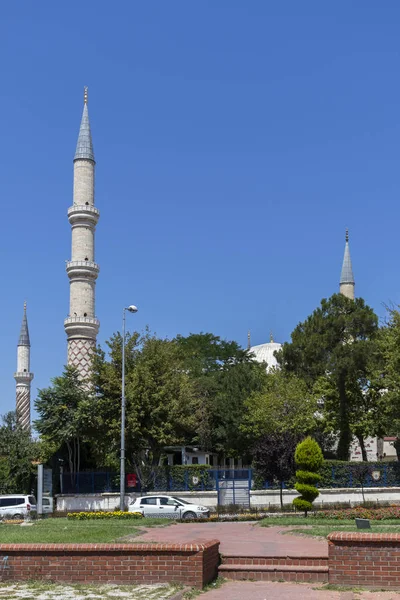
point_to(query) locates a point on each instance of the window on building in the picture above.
(195, 460)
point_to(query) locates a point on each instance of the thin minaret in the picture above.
(81, 326)
(347, 282)
(248, 340)
(23, 376)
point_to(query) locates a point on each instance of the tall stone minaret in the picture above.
(81, 326)
(347, 282)
(23, 376)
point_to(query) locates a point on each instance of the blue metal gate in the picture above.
(233, 487)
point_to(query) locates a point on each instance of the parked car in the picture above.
(170, 507)
(17, 506)
(47, 505)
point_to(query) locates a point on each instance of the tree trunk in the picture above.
(281, 494)
(363, 449)
(396, 445)
(70, 462)
(344, 433)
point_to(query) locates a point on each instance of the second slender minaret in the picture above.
(347, 282)
(81, 326)
(23, 376)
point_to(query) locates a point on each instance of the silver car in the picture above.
(169, 507)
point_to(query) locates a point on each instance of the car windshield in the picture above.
(181, 500)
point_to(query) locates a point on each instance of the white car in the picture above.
(17, 506)
(47, 505)
(170, 507)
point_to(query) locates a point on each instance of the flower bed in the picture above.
(360, 512)
(218, 518)
(116, 514)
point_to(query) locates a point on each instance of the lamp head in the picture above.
(132, 308)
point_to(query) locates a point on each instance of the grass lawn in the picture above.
(68, 531)
(323, 527)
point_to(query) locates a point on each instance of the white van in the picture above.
(17, 506)
(47, 505)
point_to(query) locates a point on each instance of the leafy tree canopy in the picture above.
(284, 404)
(17, 451)
(334, 351)
(66, 415)
(224, 375)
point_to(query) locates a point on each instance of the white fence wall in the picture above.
(258, 498)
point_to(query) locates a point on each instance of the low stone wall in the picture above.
(258, 498)
(194, 564)
(89, 502)
(364, 559)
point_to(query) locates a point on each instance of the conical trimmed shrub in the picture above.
(309, 459)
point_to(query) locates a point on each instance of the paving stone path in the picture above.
(260, 590)
(239, 539)
(41, 591)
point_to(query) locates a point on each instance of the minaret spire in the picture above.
(84, 146)
(347, 282)
(23, 376)
(248, 340)
(81, 326)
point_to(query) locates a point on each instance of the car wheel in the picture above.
(17, 517)
(189, 515)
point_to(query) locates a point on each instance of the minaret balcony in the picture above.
(86, 213)
(24, 377)
(81, 327)
(82, 268)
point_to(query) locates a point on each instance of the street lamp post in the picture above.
(132, 309)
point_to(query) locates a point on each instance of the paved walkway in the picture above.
(240, 539)
(260, 590)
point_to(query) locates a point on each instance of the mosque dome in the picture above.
(265, 353)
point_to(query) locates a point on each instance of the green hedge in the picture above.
(183, 478)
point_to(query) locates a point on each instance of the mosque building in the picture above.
(82, 326)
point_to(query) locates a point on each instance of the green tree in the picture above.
(160, 401)
(106, 380)
(17, 451)
(160, 407)
(223, 375)
(308, 458)
(333, 352)
(274, 458)
(283, 405)
(66, 416)
(387, 376)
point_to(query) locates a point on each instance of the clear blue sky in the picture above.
(234, 140)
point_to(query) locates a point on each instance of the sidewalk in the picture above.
(260, 590)
(240, 539)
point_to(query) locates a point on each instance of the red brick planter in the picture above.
(193, 564)
(365, 559)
